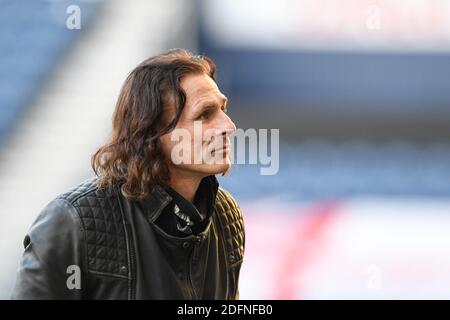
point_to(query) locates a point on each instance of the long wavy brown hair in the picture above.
(132, 159)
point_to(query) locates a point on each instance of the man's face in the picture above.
(200, 142)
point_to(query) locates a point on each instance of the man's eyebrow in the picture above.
(200, 105)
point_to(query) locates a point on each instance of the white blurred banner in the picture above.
(351, 25)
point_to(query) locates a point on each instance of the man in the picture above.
(153, 223)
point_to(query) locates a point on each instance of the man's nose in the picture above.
(226, 125)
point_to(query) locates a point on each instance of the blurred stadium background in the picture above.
(360, 91)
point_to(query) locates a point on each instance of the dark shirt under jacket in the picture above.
(177, 216)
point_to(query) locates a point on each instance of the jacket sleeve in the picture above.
(51, 266)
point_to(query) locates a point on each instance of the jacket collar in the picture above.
(155, 203)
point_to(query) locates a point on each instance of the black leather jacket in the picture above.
(91, 244)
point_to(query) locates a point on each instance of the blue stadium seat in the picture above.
(33, 39)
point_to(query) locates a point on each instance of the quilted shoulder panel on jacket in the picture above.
(101, 217)
(232, 223)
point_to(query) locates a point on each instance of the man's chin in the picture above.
(213, 169)
(218, 168)
(206, 169)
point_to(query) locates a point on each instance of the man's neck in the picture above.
(185, 184)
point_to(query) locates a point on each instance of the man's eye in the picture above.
(204, 115)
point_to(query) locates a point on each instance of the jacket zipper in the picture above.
(197, 247)
(194, 255)
(225, 250)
